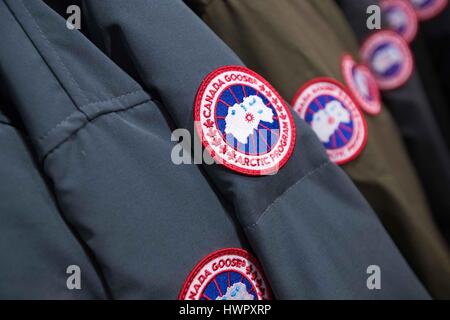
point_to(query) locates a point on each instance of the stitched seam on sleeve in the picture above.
(58, 58)
(45, 135)
(5, 123)
(278, 199)
(139, 104)
(111, 99)
(39, 52)
(66, 70)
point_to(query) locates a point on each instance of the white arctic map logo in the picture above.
(326, 121)
(237, 291)
(362, 83)
(243, 118)
(386, 59)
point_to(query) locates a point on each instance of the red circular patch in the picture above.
(226, 274)
(401, 18)
(389, 58)
(243, 122)
(428, 9)
(329, 109)
(362, 85)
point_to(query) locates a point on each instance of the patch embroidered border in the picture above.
(257, 141)
(397, 63)
(226, 274)
(346, 142)
(429, 9)
(369, 102)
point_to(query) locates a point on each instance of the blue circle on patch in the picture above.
(424, 4)
(365, 94)
(395, 64)
(401, 18)
(397, 14)
(428, 9)
(317, 112)
(229, 284)
(245, 103)
(389, 58)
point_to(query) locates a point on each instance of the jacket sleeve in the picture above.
(36, 244)
(105, 146)
(293, 42)
(304, 221)
(414, 116)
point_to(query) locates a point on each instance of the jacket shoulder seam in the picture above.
(279, 198)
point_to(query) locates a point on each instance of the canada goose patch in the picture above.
(226, 274)
(362, 85)
(389, 58)
(243, 122)
(333, 115)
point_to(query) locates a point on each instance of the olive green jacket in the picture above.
(292, 42)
